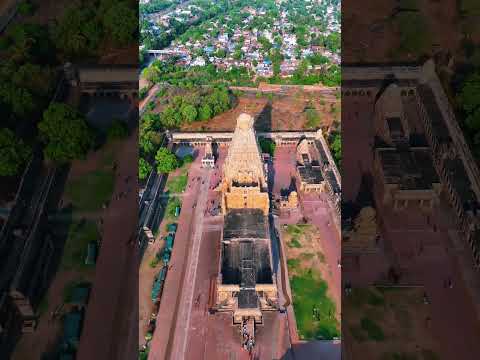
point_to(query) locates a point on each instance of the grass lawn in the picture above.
(310, 293)
(172, 203)
(294, 243)
(389, 322)
(75, 250)
(91, 191)
(296, 231)
(177, 184)
(293, 265)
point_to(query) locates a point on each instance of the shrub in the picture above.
(118, 130)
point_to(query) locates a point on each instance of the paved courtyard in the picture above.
(420, 245)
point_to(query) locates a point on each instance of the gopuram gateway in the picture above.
(245, 283)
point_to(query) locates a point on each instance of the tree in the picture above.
(166, 161)
(189, 113)
(21, 101)
(121, 22)
(147, 147)
(169, 117)
(35, 78)
(267, 146)
(336, 146)
(151, 74)
(26, 8)
(13, 153)
(65, 133)
(144, 168)
(333, 42)
(78, 32)
(469, 100)
(205, 112)
(415, 37)
(469, 97)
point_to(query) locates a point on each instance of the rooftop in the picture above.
(245, 223)
(439, 128)
(247, 299)
(310, 174)
(411, 169)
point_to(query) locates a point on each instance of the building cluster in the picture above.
(419, 148)
(242, 46)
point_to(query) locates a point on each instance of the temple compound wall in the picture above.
(100, 80)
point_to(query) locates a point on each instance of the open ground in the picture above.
(420, 246)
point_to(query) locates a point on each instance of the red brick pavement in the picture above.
(110, 324)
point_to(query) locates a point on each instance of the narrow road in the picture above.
(185, 308)
(151, 93)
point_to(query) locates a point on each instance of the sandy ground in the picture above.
(369, 35)
(284, 112)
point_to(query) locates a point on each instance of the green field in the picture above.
(172, 203)
(177, 184)
(389, 321)
(296, 231)
(91, 191)
(75, 250)
(309, 293)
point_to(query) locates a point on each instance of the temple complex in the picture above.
(245, 284)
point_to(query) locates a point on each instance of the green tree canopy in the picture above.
(267, 146)
(34, 78)
(336, 147)
(151, 74)
(65, 133)
(78, 32)
(205, 112)
(120, 22)
(144, 168)
(13, 153)
(415, 37)
(189, 113)
(166, 161)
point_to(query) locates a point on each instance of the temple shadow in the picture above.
(318, 349)
(263, 121)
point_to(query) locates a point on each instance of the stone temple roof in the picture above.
(243, 164)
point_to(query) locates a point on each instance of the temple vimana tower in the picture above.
(245, 283)
(244, 180)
